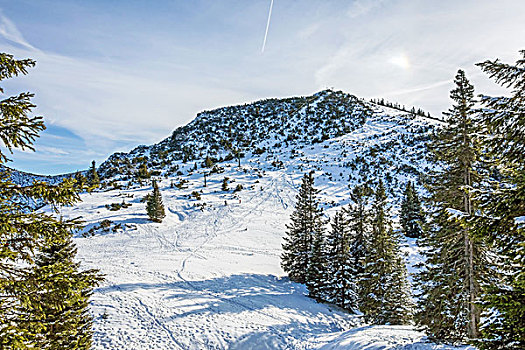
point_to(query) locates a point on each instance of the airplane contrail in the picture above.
(267, 27)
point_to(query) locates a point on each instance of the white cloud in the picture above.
(53, 151)
(363, 7)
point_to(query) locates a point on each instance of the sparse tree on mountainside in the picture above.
(238, 154)
(93, 178)
(208, 162)
(26, 310)
(154, 205)
(143, 172)
(224, 186)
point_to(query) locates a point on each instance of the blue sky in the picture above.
(114, 74)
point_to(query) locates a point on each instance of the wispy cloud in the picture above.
(401, 49)
(363, 7)
(10, 32)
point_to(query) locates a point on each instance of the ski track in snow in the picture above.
(210, 278)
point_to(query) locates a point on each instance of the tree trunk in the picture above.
(469, 253)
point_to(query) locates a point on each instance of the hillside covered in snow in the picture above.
(209, 275)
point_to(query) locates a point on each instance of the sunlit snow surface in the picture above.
(210, 278)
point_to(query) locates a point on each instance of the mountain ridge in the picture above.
(260, 127)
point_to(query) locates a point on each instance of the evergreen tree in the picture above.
(340, 281)
(25, 233)
(94, 180)
(154, 206)
(316, 272)
(224, 186)
(455, 257)
(504, 207)
(80, 180)
(62, 301)
(306, 222)
(208, 162)
(359, 230)
(384, 282)
(411, 216)
(143, 172)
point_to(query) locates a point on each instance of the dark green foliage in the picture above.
(411, 216)
(26, 317)
(340, 285)
(224, 186)
(306, 223)
(17, 128)
(456, 261)
(316, 272)
(80, 179)
(196, 195)
(154, 206)
(117, 206)
(62, 301)
(93, 178)
(359, 231)
(143, 172)
(504, 298)
(208, 162)
(383, 283)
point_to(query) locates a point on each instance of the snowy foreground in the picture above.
(210, 278)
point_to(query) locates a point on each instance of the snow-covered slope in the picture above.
(209, 276)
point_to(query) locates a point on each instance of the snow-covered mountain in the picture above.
(209, 275)
(344, 138)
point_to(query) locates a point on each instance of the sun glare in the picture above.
(400, 60)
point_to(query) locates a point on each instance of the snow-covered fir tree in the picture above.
(411, 215)
(359, 230)
(503, 222)
(316, 273)
(384, 282)
(341, 277)
(306, 221)
(154, 205)
(455, 257)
